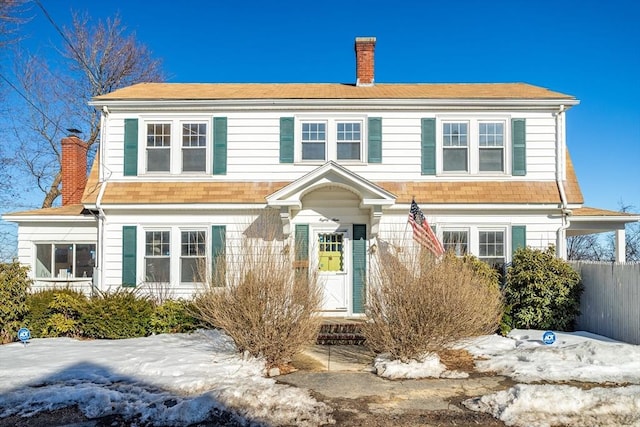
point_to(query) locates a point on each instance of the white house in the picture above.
(184, 169)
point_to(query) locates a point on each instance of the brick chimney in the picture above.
(365, 48)
(74, 170)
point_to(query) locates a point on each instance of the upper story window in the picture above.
(473, 146)
(491, 147)
(349, 141)
(176, 146)
(194, 147)
(331, 139)
(314, 141)
(158, 147)
(454, 143)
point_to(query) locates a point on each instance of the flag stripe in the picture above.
(422, 232)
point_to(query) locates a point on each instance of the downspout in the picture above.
(561, 243)
(103, 186)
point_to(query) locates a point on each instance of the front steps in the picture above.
(341, 331)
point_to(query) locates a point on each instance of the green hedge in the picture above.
(14, 287)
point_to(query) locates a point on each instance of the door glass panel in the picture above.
(330, 252)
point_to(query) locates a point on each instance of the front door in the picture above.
(332, 252)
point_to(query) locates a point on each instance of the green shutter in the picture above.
(375, 140)
(518, 237)
(219, 145)
(519, 142)
(129, 234)
(359, 266)
(130, 147)
(286, 139)
(218, 253)
(302, 242)
(428, 152)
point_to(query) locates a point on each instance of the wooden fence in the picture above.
(610, 304)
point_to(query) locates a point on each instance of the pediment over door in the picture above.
(372, 196)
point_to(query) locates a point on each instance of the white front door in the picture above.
(332, 251)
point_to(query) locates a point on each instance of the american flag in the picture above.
(422, 232)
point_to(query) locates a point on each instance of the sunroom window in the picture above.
(65, 260)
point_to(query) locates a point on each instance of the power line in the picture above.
(38, 109)
(67, 41)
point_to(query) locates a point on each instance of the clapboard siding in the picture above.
(253, 144)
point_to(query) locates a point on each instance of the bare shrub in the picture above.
(418, 304)
(265, 305)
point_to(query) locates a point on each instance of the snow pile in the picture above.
(577, 356)
(550, 405)
(170, 379)
(427, 367)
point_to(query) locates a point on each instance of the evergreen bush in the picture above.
(14, 287)
(119, 314)
(541, 292)
(173, 316)
(56, 312)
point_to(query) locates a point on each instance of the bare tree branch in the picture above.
(96, 59)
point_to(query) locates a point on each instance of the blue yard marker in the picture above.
(549, 338)
(24, 335)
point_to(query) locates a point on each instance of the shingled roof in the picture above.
(257, 91)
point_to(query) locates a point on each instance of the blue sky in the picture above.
(587, 48)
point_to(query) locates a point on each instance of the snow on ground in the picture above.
(578, 356)
(174, 379)
(183, 378)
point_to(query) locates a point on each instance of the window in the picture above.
(491, 147)
(491, 247)
(456, 241)
(157, 258)
(65, 260)
(314, 140)
(349, 140)
(194, 147)
(192, 255)
(341, 138)
(176, 146)
(158, 147)
(454, 143)
(330, 252)
(473, 146)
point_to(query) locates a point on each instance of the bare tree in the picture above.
(8, 20)
(586, 247)
(96, 59)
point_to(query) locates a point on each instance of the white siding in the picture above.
(253, 144)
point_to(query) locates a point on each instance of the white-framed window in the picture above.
(194, 147)
(158, 147)
(491, 146)
(492, 246)
(314, 141)
(340, 138)
(456, 241)
(65, 260)
(473, 145)
(157, 256)
(455, 153)
(193, 253)
(176, 145)
(349, 141)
